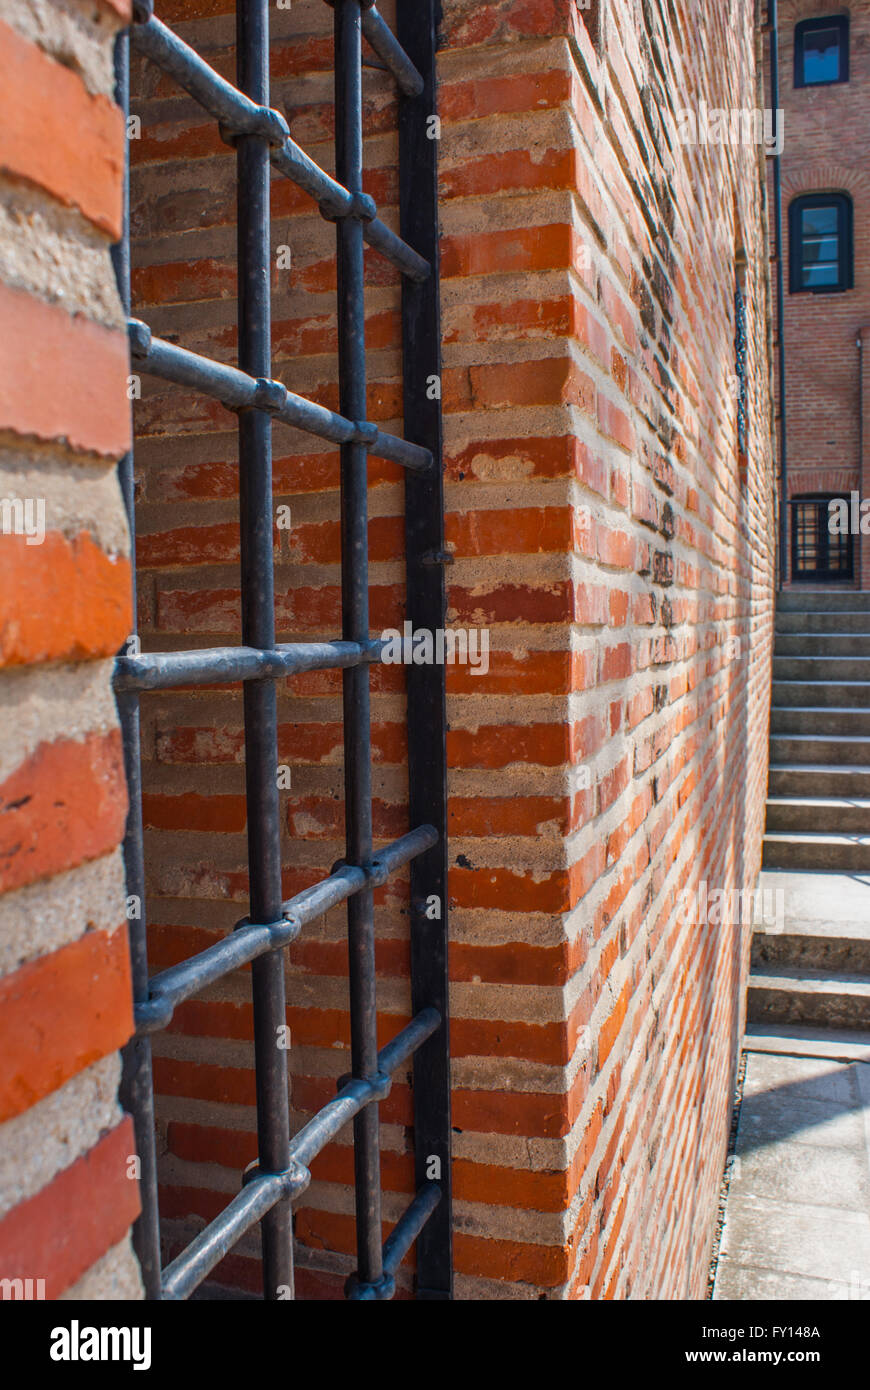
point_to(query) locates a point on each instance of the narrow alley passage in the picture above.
(797, 1216)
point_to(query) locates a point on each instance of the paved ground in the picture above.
(797, 1218)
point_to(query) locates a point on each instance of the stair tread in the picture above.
(818, 837)
(824, 738)
(822, 709)
(840, 769)
(820, 801)
(809, 981)
(808, 1040)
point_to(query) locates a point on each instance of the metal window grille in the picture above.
(261, 138)
(740, 366)
(819, 552)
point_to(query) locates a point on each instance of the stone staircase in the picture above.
(813, 970)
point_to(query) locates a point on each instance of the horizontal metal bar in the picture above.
(356, 1094)
(251, 940)
(396, 1247)
(257, 1197)
(222, 99)
(248, 942)
(238, 115)
(333, 1116)
(386, 861)
(403, 1046)
(409, 1226)
(238, 391)
(264, 1190)
(171, 987)
(387, 47)
(217, 665)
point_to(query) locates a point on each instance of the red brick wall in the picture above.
(825, 150)
(67, 1191)
(607, 537)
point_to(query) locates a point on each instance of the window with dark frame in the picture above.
(817, 554)
(820, 244)
(740, 365)
(821, 51)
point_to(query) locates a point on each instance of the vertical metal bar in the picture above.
(137, 1089)
(426, 608)
(355, 628)
(258, 630)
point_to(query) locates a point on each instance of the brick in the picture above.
(85, 403)
(63, 600)
(82, 1213)
(64, 804)
(59, 136)
(61, 1013)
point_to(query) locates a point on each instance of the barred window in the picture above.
(821, 51)
(740, 365)
(820, 240)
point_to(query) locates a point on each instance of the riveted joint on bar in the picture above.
(264, 122)
(383, 1290)
(270, 395)
(282, 932)
(287, 930)
(153, 1014)
(139, 335)
(365, 433)
(376, 872)
(379, 1084)
(294, 1179)
(360, 205)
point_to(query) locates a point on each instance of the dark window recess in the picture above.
(821, 51)
(817, 556)
(262, 141)
(740, 366)
(820, 243)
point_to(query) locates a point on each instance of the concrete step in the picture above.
(804, 850)
(800, 600)
(826, 815)
(821, 668)
(787, 621)
(820, 721)
(818, 921)
(831, 643)
(804, 780)
(833, 750)
(798, 1040)
(831, 694)
(799, 947)
(803, 996)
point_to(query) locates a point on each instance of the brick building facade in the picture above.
(606, 530)
(825, 97)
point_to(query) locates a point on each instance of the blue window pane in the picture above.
(819, 222)
(822, 56)
(820, 249)
(824, 273)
